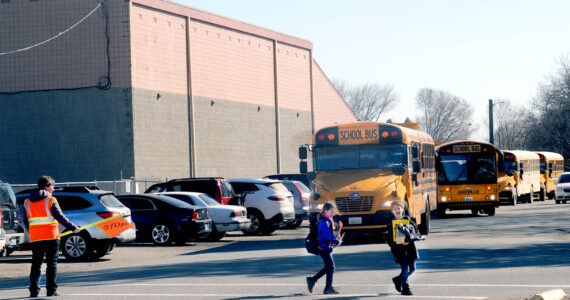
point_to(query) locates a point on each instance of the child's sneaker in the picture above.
(330, 291)
(397, 283)
(406, 291)
(310, 284)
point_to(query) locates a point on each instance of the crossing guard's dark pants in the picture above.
(49, 249)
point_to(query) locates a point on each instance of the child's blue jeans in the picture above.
(408, 268)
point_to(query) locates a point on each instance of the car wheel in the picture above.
(256, 224)
(215, 235)
(102, 250)
(76, 247)
(161, 234)
(267, 230)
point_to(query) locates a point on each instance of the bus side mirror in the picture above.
(303, 153)
(415, 152)
(398, 170)
(416, 166)
(550, 172)
(303, 167)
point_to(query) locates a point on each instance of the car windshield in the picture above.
(207, 200)
(565, 178)
(7, 195)
(467, 168)
(278, 186)
(109, 200)
(331, 158)
(175, 202)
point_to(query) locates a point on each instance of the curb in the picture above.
(557, 294)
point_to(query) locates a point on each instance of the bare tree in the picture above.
(509, 123)
(368, 101)
(445, 117)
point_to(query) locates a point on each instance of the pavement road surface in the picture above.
(520, 251)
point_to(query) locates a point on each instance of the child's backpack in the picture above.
(311, 241)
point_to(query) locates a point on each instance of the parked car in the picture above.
(301, 194)
(268, 202)
(84, 205)
(563, 188)
(295, 177)
(163, 219)
(215, 187)
(224, 217)
(11, 233)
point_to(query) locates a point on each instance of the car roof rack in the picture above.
(69, 189)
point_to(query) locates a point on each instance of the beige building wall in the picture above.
(329, 106)
(160, 99)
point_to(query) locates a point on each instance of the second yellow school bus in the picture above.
(467, 177)
(519, 176)
(363, 166)
(551, 167)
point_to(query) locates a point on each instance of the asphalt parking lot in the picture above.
(521, 251)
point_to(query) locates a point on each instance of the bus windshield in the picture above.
(353, 157)
(509, 166)
(467, 168)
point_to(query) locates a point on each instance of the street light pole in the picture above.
(491, 139)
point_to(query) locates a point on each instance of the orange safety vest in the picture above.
(43, 226)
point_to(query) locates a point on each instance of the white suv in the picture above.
(269, 204)
(563, 188)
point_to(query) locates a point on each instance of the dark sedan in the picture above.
(164, 220)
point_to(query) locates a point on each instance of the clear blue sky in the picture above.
(477, 50)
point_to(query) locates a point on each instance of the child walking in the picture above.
(327, 241)
(405, 253)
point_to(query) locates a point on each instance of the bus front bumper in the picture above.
(467, 205)
(377, 222)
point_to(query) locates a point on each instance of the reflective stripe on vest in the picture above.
(43, 226)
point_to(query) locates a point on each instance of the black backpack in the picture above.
(312, 239)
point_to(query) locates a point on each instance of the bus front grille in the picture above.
(347, 205)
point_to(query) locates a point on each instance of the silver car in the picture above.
(225, 217)
(84, 206)
(301, 193)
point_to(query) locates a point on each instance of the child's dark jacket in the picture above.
(400, 251)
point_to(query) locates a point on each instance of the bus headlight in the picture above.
(386, 204)
(492, 197)
(316, 206)
(443, 198)
(507, 188)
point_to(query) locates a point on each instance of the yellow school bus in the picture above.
(551, 166)
(363, 166)
(519, 176)
(467, 177)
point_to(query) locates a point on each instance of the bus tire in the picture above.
(530, 198)
(490, 211)
(514, 197)
(557, 201)
(474, 212)
(542, 194)
(424, 226)
(440, 212)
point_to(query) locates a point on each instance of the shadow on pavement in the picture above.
(545, 255)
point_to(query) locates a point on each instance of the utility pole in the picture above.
(491, 139)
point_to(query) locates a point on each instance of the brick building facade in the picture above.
(149, 88)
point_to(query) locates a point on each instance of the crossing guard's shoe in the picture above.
(54, 293)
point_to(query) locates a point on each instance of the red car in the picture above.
(216, 187)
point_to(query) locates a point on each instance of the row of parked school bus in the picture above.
(363, 166)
